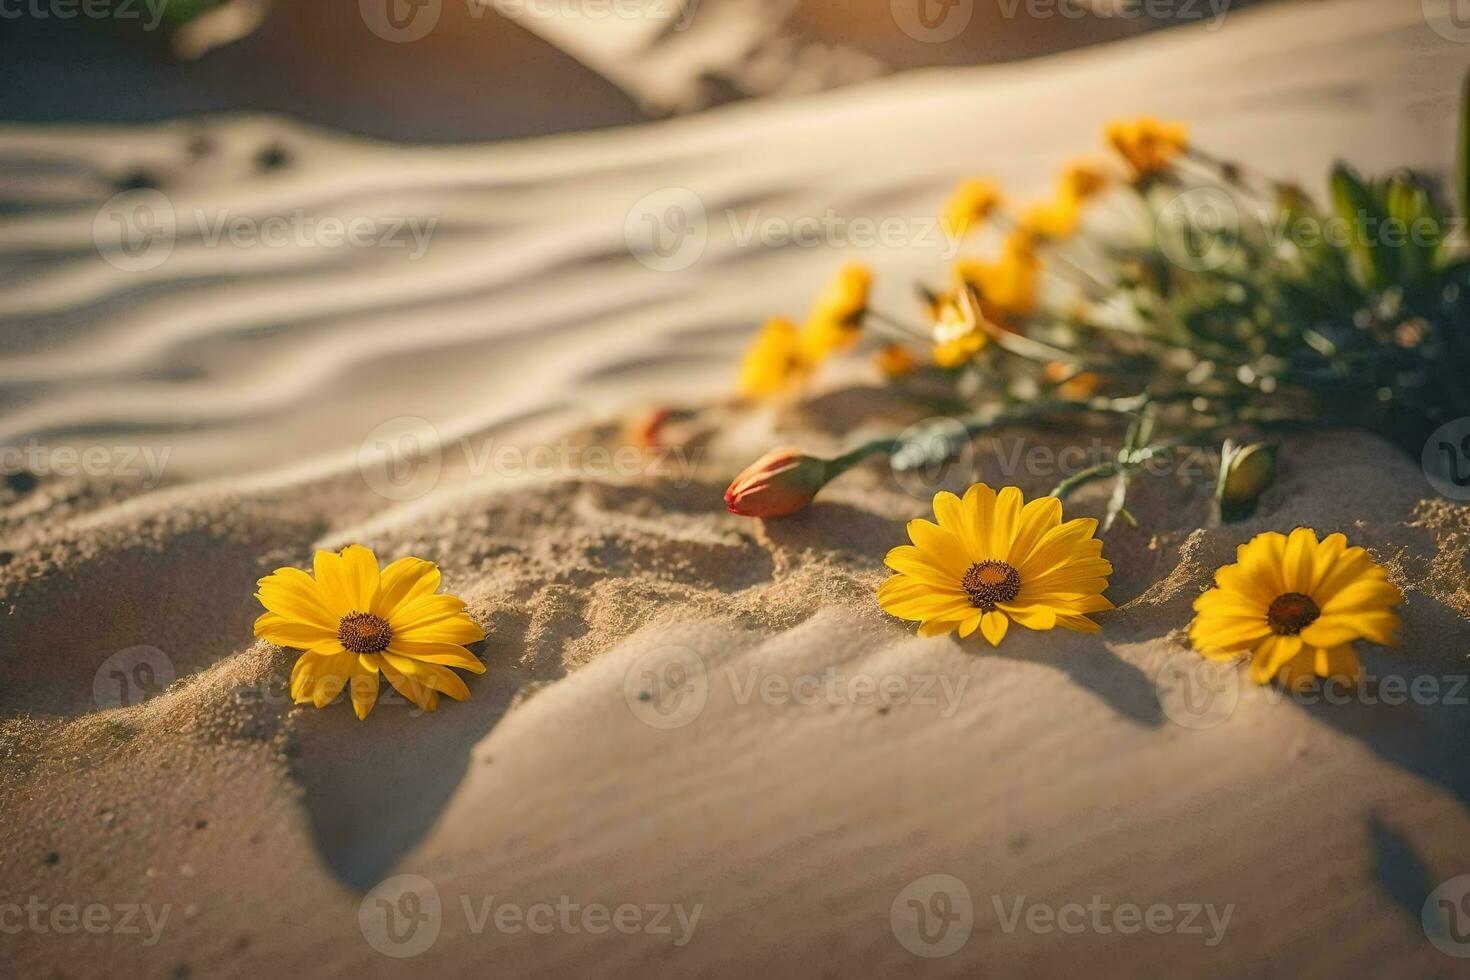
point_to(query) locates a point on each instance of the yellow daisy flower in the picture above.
(1052, 219)
(1058, 218)
(821, 337)
(972, 204)
(895, 361)
(1296, 605)
(958, 335)
(354, 621)
(773, 361)
(837, 314)
(844, 300)
(992, 559)
(1011, 284)
(1148, 145)
(1082, 180)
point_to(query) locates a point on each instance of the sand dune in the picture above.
(619, 750)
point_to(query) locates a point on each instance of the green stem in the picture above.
(1099, 472)
(896, 326)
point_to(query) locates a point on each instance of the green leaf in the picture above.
(1465, 148)
(1418, 220)
(1358, 207)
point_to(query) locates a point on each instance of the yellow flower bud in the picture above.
(1245, 473)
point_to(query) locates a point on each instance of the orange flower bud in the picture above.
(646, 432)
(781, 482)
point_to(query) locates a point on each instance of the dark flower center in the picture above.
(1291, 613)
(364, 633)
(991, 582)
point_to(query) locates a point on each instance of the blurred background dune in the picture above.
(509, 68)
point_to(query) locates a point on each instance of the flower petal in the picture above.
(285, 632)
(1062, 544)
(914, 563)
(348, 578)
(908, 598)
(1369, 594)
(295, 595)
(402, 582)
(993, 626)
(432, 676)
(1256, 574)
(435, 619)
(448, 654)
(1037, 518)
(937, 628)
(318, 678)
(1004, 524)
(407, 684)
(1225, 634)
(1080, 624)
(940, 546)
(1274, 653)
(1297, 562)
(364, 687)
(1031, 617)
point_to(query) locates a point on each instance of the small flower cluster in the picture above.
(1117, 298)
(1150, 289)
(784, 355)
(1293, 604)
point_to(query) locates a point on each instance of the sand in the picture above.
(678, 729)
